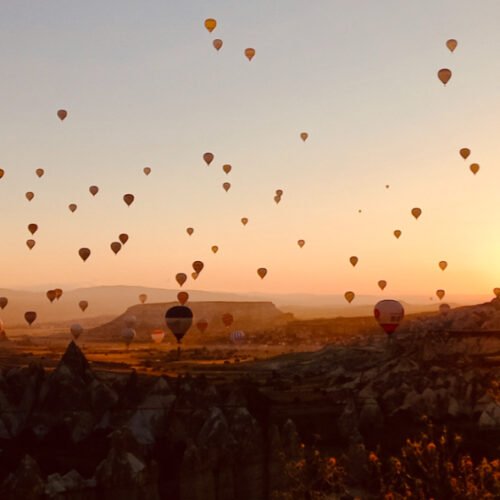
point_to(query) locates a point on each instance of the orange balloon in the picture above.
(444, 75)
(84, 253)
(416, 212)
(128, 199)
(382, 284)
(2, 172)
(32, 228)
(40, 172)
(210, 24)
(190, 231)
(30, 243)
(72, 207)
(209, 158)
(93, 190)
(198, 266)
(304, 136)
(244, 221)
(227, 168)
(474, 168)
(301, 243)
(349, 296)
(451, 44)
(464, 153)
(353, 260)
(62, 114)
(249, 53)
(146, 170)
(226, 186)
(123, 237)
(443, 265)
(116, 246)
(180, 278)
(262, 271)
(440, 294)
(397, 233)
(59, 293)
(182, 297)
(215, 249)
(29, 195)
(217, 43)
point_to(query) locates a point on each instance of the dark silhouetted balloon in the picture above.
(62, 114)
(143, 297)
(198, 266)
(29, 195)
(179, 320)
(3, 302)
(209, 158)
(349, 296)
(51, 295)
(202, 325)
(180, 278)
(128, 199)
(123, 237)
(93, 190)
(40, 172)
(83, 304)
(227, 319)
(76, 330)
(32, 228)
(30, 317)
(182, 297)
(116, 246)
(72, 207)
(444, 75)
(262, 271)
(30, 243)
(84, 253)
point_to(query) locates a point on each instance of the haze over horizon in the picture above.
(146, 88)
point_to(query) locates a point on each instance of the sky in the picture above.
(144, 87)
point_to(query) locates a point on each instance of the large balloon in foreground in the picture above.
(198, 266)
(416, 212)
(444, 75)
(443, 265)
(76, 330)
(182, 297)
(440, 294)
(179, 320)
(3, 302)
(474, 168)
(208, 157)
(143, 297)
(217, 43)
(451, 44)
(84, 253)
(128, 199)
(62, 114)
(30, 243)
(93, 190)
(83, 304)
(262, 271)
(382, 284)
(249, 53)
(349, 296)
(180, 278)
(29, 195)
(389, 313)
(210, 24)
(115, 246)
(30, 317)
(464, 153)
(227, 319)
(157, 335)
(202, 325)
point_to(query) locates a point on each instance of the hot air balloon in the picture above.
(29, 195)
(3, 302)
(194, 275)
(244, 221)
(397, 233)
(496, 291)
(389, 313)
(83, 304)
(128, 335)
(444, 309)
(304, 136)
(227, 319)
(84, 253)
(59, 293)
(2, 172)
(237, 337)
(443, 265)
(115, 246)
(62, 114)
(51, 295)
(72, 207)
(198, 266)
(130, 321)
(277, 199)
(416, 212)
(382, 284)
(464, 153)
(440, 294)
(123, 237)
(227, 168)
(93, 190)
(444, 75)
(40, 172)
(208, 157)
(349, 296)
(249, 53)
(146, 170)
(76, 330)
(32, 228)
(179, 320)
(157, 335)
(262, 271)
(279, 192)
(142, 298)
(210, 24)
(202, 325)
(30, 243)
(217, 43)
(215, 249)
(180, 278)
(128, 199)
(474, 168)
(301, 243)
(353, 260)
(451, 44)
(226, 186)
(30, 317)
(190, 231)
(182, 297)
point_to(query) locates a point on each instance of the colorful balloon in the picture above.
(198, 266)
(2, 172)
(215, 249)
(146, 170)
(226, 186)
(353, 260)
(389, 314)
(194, 275)
(237, 337)
(59, 293)
(397, 233)
(244, 221)
(202, 325)
(301, 243)
(304, 136)
(227, 319)
(190, 231)
(51, 295)
(72, 207)
(227, 168)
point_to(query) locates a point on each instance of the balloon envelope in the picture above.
(304, 136)
(130, 321)
(30, 243)
(32, 228)
(227, 168)
(389, 313)
(40, 172)
(451, 44)
(237, 336)
(198, 266)
(116, 246)
(146, 170)
(226, 186)
(349, 296)
(51, 295)
(123, 237)
(202, 325)
(217, 43)
(301, 243)
(215, 249)
(62, 114)
(444, 309)
(182, 297)
(179, 320)
(474, 168)
(3, 302)
(157, 335)
(143, 297)
(353, 260)
(180, 278)
(262, 271)
(72, 207)
(440, 294)
(397, 233)
(93, 190)
(227, 319)
(444, 75)
(416, 212)
(190, 231)
(128, 199)
(30, 316)
(244, 221)
(382, 284)
(208, 157)
(443, 265)
(464, 153)
(84, 253)
(76, 330)
(210, 24)
(249, 53)
(83, 304)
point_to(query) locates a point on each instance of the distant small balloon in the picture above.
(301, 243)
(194, 275)
(262, 271)
(496, 291)
(349, 296)
(464, 153)
(440, 294)
(182, 297)
(226, 186)
(76, 330)
(51, 295)
(249, 53)
(353, 260)
(180, 278)
(29, 195)
(30, 317)
(208, 157)
(444, 309)
(227, 168)
(84, 253)
(3, 302)
(30, 243)
(83, 304)
(93, 190)
(130, 321)
(416, 212)
(217, 43)
(198, 266)
(279, 192)
(277, 199)
(397, 233)
(146, 170)
(451, 44)
(215, 249)
(40, 172)
(2, 172)
(304, 136)
(210, 24)
(32, 228)
(190, 231)
(62, 114)
(202, 325)
(244, 221)
(59, 293)
(72, 207)
(443, 265)
(444, 75)
(115, 246)
(123, 237)
(382, 284)
(143, 297)
(157, 335)
(474, 168)
(128, 199)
